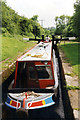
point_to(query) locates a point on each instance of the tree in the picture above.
(13, 23)
(60, 24)
(10, 19)
(64, 25)
(37, 29)
(68, 31)
(76, 19)
(35, 18)
(23, 23)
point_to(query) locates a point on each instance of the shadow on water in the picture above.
(44, 114)
(38, 114)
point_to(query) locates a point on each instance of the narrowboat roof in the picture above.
(41, 52)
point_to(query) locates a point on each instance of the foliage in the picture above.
(69, 26)
(35, 18)
(16, 24)
(64, 25)
(68, 31)
(72, 87)
(76, 19)
(37, 29)
(49, 31)
(23, 24)
(60, 24)
(52, 30)
(9, 19)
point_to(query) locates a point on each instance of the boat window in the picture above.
(44, 72)
(32, 72)
(28, 71)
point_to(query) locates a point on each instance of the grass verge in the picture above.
(71, 51)
(12, 47)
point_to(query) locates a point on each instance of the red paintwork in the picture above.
(42, 62)
(24, 102)
(52, 68)
(35, 104)
(45, 83)
(14, 103)
(15, 75)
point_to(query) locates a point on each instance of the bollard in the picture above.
(53, 41)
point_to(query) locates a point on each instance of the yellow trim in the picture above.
(10, 102)
(43, 102)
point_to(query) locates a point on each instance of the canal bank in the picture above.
(71, 80)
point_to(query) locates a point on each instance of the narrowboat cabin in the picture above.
(36, 80)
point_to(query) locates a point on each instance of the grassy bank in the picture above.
(71, 50)
(12, 47)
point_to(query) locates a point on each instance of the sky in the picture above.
(47, 10)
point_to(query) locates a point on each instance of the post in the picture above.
(60, 39)
(43, 37)
(35, 37)
(64, 42)
(52, 41)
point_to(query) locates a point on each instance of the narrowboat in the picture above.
(36, 79)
